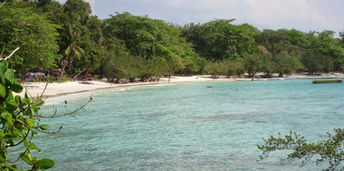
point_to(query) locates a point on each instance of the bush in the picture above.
(18, 124)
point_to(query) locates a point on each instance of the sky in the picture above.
(305, 15)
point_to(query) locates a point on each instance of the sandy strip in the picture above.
(55, 92)
(58, 89)
(66, 90)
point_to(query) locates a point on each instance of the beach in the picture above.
(55, 92)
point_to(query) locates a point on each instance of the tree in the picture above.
(124, 67)
(291, 41)
(319, 51)
(329, 150)
(215, 68)
(72, 52)
(76, 15)
(153, 41)
(219, 39)
(258, 62)
(234, 67)
(341, 34)
(324, 43)
(286, 63)
(315, 62)
(33, 33)
(53, 10)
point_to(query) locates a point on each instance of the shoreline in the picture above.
(54, 92)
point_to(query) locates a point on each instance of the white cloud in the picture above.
(291, 12)
(300, 14)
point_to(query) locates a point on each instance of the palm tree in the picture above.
(73, 51)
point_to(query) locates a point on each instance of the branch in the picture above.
(49, 132)
(75, 77)
(45, 88)
(9, 56)
(65, 114)
(19, 141)
(22, 154)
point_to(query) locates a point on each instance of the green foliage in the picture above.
(121, 68)
(227, 67)
(33, 33)
(327, 51)
(316, 62)
(291, 41)
(258, 62)
(219, 39)
(80, 38)
(329, 150)
(68, 37)
(157, 45)
(286, 63)
(18, 124)
(215, 68)
(319, 52)
(235, 67)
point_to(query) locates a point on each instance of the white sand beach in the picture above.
(36, 89)
(55, 91)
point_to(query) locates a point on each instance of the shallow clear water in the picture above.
(192, 127)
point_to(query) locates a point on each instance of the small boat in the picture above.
(327, 81)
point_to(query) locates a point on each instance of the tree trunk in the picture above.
(64, 64)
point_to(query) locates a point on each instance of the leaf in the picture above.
(30, 146)
(2, 159)
(45, 163)
(39, 103)
(68, 50)
(33, 146)
(44, 127)
(30, 123)
(35, 108)
(3, 92)
(26, 157)
(77, 54)
(3, 68)
(34, 131)
(12, 81)
(2, 134)
(27, 99)
(7, 116)
(18, 99)
(16, 88)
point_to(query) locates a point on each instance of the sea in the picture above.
(191, 126)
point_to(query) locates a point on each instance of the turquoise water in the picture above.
(192, 127)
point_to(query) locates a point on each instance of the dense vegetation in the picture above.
(67, 40)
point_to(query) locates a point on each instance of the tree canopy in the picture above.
(34, 33)
(77, 42)
(154, 42)
(220, 39)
